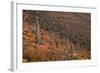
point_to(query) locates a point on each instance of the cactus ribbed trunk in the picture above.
(52, 38)
(69, 50)
(38, 39)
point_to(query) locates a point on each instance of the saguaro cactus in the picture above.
(69, 50)
(38, 39)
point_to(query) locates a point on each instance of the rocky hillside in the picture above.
(53, 36)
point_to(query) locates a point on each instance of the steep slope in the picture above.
(63, 36)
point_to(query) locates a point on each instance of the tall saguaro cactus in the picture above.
(38, 38)
(69, 50)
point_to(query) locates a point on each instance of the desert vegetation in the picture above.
(56, 36)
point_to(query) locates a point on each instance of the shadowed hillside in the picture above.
(54, 36)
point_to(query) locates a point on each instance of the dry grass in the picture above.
(63, 36)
